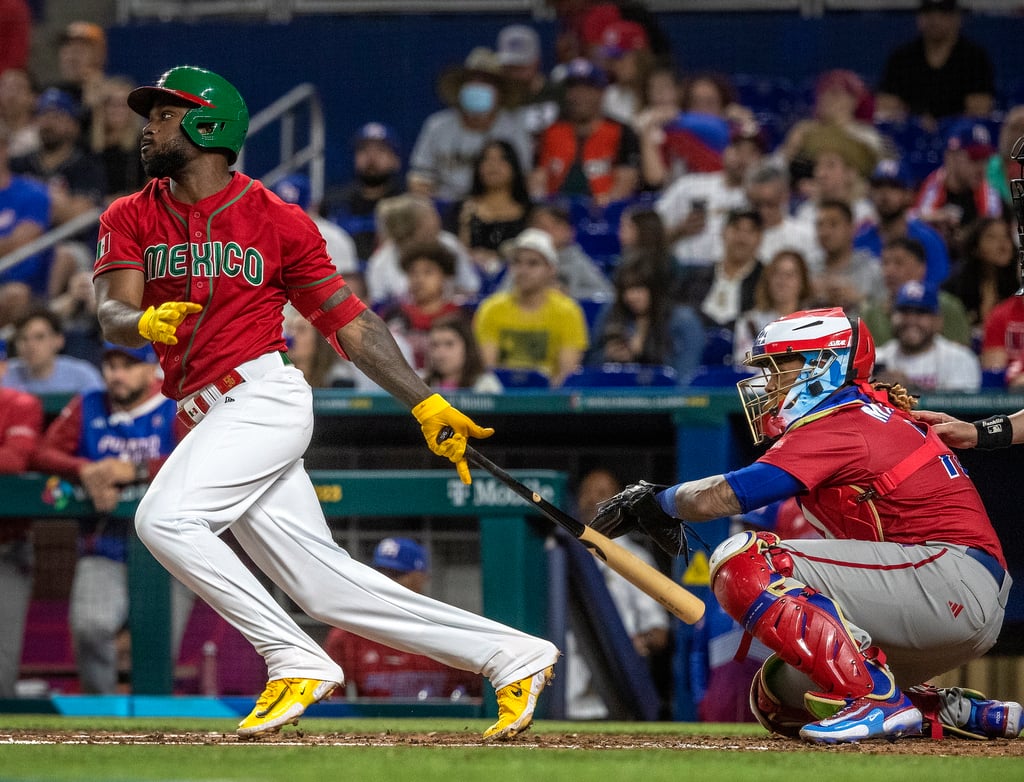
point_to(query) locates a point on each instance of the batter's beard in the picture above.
(166, 163)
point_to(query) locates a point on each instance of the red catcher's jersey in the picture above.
(241, 253)
(856, 444)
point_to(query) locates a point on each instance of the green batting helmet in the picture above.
(220, 118)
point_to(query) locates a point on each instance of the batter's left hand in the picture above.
(434, 414)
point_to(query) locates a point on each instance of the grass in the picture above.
(526, 762)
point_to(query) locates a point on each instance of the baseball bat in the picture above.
(680, 602)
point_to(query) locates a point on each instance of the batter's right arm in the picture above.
(119, 302)
(119, 306)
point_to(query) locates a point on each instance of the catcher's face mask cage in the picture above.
(777, 397)
(1017, 191)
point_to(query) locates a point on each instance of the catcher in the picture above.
(910, 580)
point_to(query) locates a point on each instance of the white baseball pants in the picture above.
(241, 467)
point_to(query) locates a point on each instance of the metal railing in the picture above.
(286, 109)
(81, 222)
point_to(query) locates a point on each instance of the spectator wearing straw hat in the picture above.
(479, 98)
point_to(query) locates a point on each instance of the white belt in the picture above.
(193, 408)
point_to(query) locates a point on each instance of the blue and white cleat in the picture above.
(966, 713)
(991, 719)
(863, 719)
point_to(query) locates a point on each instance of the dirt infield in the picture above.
(535, 739)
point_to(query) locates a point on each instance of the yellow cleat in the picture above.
(282, 703)
(516, 703)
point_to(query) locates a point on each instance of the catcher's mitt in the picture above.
(635, 507)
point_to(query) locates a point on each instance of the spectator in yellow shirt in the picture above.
(533, 325)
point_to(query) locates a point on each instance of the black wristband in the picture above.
(994, 432)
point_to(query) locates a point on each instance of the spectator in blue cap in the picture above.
(892, 192)
(76, 178)
(377, 166)
(918, 357)
(25, 210)
(296, 189)
(404, 560)
(373, 670)
(958, 192)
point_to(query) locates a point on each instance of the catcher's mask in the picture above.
(834, 352)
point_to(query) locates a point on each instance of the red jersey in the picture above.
(611, 144)
(843, 453)
(378, 671)
(241, 253)
(21, 424)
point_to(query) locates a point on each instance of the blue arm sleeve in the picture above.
(760, 484)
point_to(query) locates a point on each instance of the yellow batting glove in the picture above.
(158, 324)
(434, 414)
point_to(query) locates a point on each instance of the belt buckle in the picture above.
(193, 410)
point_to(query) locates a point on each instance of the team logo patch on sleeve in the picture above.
(103, 246)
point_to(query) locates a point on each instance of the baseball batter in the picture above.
(910, 580)
(201, 262)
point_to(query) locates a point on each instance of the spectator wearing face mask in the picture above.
(478, 95)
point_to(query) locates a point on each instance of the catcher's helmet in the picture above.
(836, 352)
(220, 118)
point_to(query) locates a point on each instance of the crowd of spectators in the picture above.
(664, 197)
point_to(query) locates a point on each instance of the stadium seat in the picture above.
(597, 228)
(592, 309)
(621, 376)
(718, 376)
(718, 346)
(522, 378)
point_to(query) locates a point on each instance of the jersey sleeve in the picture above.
(118, 245)
(760, 484)
(310, 276)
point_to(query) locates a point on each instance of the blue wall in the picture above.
(385, 67)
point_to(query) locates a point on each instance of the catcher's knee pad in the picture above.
(752, 578)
